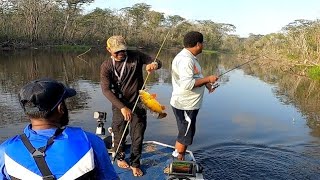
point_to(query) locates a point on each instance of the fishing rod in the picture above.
(238, 66)
(215, 85)
(135, 104)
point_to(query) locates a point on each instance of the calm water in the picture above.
(258, 124)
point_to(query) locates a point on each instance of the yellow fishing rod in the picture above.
(135, 104)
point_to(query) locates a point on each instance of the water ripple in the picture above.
(252, 161)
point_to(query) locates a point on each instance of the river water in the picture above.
(259, 124)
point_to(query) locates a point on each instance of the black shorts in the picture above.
(186, 122)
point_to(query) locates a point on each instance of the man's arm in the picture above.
(185, 69)
(186, 73)
(3, 173)
(203, 81)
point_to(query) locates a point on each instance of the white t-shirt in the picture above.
(185, 70)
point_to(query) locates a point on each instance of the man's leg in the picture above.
(181, 149)
(186, 123)
(118, 125)
(137, 129)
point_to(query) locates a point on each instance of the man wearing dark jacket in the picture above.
(121, 79)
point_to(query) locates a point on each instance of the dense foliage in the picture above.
(296, 48)
(50, 22)
(26, 23)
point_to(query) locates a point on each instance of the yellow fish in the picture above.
(149, 100)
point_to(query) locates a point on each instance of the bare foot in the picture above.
(136, 171)
(122, 164)
(180, 157)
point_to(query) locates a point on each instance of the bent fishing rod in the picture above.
(135, 104)
(215, 85)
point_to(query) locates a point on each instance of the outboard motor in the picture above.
(101, 131)
(101, 119)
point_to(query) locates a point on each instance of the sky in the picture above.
(249, 16)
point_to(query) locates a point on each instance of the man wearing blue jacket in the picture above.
(48, 148)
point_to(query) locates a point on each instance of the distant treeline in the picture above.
(26, 23)
(50, 22)
(296, 49)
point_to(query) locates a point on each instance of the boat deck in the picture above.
(155, 158)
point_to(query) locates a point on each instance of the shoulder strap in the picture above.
(38, 154)
(13, 178)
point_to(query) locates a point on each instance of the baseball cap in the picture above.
(116, 43)
(43, 95)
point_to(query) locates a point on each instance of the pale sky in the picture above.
(249, 16)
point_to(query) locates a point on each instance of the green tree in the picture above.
(137, 17)
(71, 9)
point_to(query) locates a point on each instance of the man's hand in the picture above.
(127, 114)
(212, 79)
(151, 67)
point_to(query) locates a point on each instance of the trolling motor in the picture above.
(101, 119)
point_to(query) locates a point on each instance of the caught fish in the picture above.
(149, 100)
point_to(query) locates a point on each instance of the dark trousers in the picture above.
(137, 128)
(186, 130)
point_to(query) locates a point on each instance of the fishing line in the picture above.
(135, 104)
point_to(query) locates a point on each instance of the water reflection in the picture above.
(253, 126)
(292, 89)
(19, 68)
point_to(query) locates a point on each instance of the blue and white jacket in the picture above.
(73, 154)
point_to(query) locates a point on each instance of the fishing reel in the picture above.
(214, 86)
(101, 119)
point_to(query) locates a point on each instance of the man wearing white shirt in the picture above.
(188, 88)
